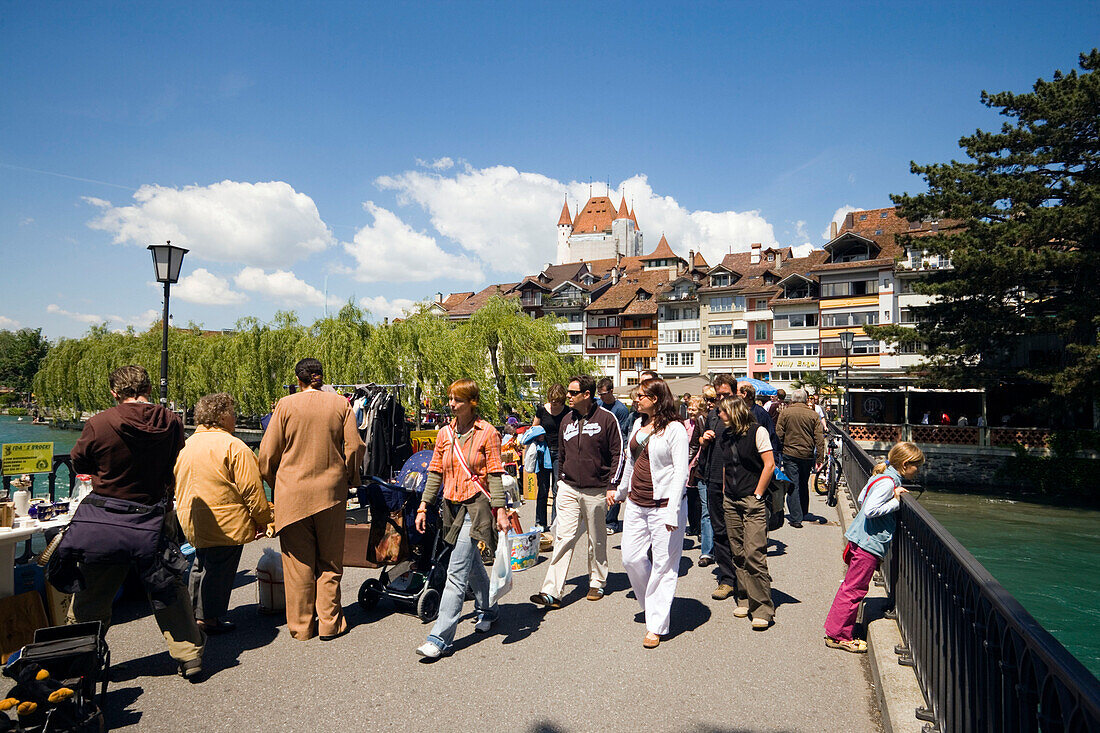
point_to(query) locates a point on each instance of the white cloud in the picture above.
(391, 250)
(9, 323)
(26, 221)
(803, 250)
(838, 219)
(507, 216)
(283, 286)
(250, 223)
(439, 164)
(800, 229)
(206, 288)
(381, 307)
(139, 322)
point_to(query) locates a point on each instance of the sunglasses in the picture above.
(641, 395)
(574, 392)
(712, 400)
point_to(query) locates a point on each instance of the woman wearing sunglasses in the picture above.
(655, 512)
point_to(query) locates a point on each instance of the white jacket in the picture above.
(668, 465)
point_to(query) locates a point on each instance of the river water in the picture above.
(1044, 555)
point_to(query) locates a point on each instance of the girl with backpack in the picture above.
(869, 536)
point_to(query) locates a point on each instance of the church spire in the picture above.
(623, 213)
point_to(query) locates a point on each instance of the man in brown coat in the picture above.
(799, 431)
(310, 454)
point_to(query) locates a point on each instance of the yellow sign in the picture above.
(422, 439)
(19, 458)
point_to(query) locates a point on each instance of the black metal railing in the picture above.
(983, 662)
(59, 460)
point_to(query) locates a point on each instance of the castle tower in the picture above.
(565, 228)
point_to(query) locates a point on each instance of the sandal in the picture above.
(855, 646)
(545, 599)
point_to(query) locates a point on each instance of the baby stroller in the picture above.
(414, 565)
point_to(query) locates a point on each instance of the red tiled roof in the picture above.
(699, 260)
(454, 299)
(621, 294)
(623, 213)
(467, 307)
(663, 251)
(565, 219)
(634, 219)
(596, 216)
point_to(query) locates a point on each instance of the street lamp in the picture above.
(846, 340)
(167, 261)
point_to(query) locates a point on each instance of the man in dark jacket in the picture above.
(590, 463)
(130, 451)
(799, 431)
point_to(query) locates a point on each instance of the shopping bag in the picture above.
(500, 580)
(531, 459)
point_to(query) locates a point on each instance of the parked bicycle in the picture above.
(827, 479)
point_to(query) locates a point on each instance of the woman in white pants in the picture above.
(656, 505)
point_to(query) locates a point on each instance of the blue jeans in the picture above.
(464, 569)
(706, 532)
(547, 479)
(798, 494)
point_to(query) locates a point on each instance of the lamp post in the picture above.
(167, 261)
(846, 340)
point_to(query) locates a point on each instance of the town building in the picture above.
(599, 231)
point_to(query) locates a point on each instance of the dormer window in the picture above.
(719, 281)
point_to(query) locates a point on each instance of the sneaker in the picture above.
(741, 612)
(761, 624)
(722, 592)
(191, 669)
(484, 624)
(429, 650)
(538, 528)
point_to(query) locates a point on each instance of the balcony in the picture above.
(564, 301)
(760, 315)
(689, 294)
(531, 302)
(601, 350)
(930, 263)
(603, 330)
(569, 349)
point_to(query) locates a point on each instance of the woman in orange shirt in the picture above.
(466, 463)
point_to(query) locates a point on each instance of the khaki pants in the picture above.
(575, 505)
(177, 621)
(313, 563)
(747, 527)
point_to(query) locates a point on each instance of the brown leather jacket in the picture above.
(799, 430)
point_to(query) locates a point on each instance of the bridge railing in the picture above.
(983, 662)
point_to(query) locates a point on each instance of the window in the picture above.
(915, 347)
(740, 333)
(760, 304)
(574, 339)
(687, 358)
(796, 320)
(788, 376)
(601, 323)
(843, 320)
(878, 232)
(719, 281)
(760, 331)
(833, 348)
(576, 317)
(761, 356)
(721, 329)
(739, 351)
(883, 215)
(797, 349)
(721, 305)
(672, 359)
(863, 217)
(858, 287)
(723, 351)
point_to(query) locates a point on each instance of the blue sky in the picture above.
(387, 151)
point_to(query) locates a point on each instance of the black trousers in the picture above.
(723, 555)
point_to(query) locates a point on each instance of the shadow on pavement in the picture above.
(780, 598)
(115, 707)
(776, 548)
(687, 614)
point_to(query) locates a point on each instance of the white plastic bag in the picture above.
(531, 459)
(500, 579)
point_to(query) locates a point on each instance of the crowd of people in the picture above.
(665, 467)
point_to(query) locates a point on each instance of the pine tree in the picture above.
(1022, 228)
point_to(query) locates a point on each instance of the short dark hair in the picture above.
(586, 383)
(606, 384)
(210, 410)
(130, 381)
(665, 409)
(309, 371)
(726, 379)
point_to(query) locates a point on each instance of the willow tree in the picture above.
(340, 343)
(517, 348)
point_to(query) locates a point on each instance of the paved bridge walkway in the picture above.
(581, 668)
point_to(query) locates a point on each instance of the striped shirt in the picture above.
(481, 447)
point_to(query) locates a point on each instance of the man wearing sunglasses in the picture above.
(590, 463)
(711, 464)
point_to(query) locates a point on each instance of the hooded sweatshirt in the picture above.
(130, 451)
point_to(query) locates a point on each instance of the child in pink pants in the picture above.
(869, 536)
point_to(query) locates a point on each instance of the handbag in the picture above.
(531, 459)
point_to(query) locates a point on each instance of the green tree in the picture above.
(1021, 224)
(21, 355)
